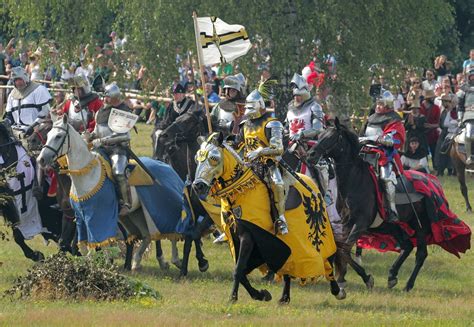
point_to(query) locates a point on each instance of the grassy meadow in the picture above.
(443, 294)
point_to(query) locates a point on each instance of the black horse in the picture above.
(50, 217)
(359, 195)
(177, 145)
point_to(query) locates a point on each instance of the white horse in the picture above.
(88, 172)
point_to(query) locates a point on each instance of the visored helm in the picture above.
(112, 91)
(80, 81)
(299, 85)
(19, 72)
(254, 105)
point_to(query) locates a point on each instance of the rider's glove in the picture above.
(97, 143)
(252, 155)
(296, 137)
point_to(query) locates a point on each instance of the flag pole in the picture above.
(201, 68)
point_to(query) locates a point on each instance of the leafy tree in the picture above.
(393, 34)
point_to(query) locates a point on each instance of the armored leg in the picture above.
(469, 139)
(119, 164)
(390, 180)
(278, 188)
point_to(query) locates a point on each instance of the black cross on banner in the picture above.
(23, 190)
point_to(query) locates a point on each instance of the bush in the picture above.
(84, 278)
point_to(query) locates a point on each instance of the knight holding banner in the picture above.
(227, 110)
(28, 103)
(114, 144)
(263, 136)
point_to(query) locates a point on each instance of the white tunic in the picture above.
(27, 110)
(26, 204)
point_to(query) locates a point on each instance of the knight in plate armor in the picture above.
(386, 130)
(114, 144)
(82, 107)
(263, 136)
(466, 114)
(27, 104)
(305, 116)
(227, 110)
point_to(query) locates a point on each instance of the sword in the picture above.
(140, 163)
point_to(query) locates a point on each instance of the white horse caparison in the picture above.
(63, 139)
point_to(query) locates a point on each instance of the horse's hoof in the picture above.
(178, 263)
(341, 295)
(284, 300)
(370, 283)
(269, 277)
(127, 267)
(392, 282)
(233, 299)
(408, 288)
(358, 260)
(469, 210)
(37, 256)
(163, 264)
(265, 295)
(203, 265)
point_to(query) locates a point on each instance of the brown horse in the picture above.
(458, 158)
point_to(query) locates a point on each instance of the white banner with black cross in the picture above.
(220, 42)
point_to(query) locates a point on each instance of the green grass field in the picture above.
(443, 294)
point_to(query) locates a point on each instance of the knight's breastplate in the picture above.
(77, 119)
(103, 130)
(374, 130)
(299, 119)
(254, 134)
(226, 110)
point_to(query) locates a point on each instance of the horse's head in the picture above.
(334, 142)
(38, 138)
(210, 164)
(184, 129)
(58, 143)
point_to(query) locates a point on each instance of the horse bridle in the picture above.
(66, 136)
(325, 151)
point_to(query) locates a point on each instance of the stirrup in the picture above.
(392, 216)
(281, 226)
(124, 209)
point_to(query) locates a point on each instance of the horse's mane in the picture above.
(352, 138)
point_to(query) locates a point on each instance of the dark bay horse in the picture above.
(177, 145)
(358, 191)
(459, 162)
(50, 218)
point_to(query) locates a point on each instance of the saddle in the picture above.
(401, 197)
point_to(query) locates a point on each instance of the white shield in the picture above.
(121, 121)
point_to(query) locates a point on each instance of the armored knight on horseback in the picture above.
(226, 111)
(263, 136)
(114, 144)
(28, 103)
(386, 130)
(466, 114)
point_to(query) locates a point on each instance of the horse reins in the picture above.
(66, 136)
